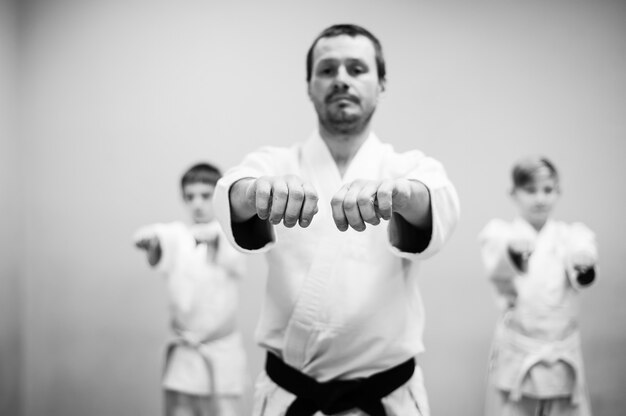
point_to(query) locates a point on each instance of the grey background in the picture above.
(103, 104)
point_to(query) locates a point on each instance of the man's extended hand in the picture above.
(275, 198)
(367, 201)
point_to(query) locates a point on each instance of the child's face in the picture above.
(197, 198)
(537, 199)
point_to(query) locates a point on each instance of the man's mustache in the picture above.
(342, 96)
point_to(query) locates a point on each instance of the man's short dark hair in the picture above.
(350, 30)
(201, 173)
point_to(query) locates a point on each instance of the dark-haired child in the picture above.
(205, 366)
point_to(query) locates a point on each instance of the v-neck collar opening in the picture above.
(319, 156)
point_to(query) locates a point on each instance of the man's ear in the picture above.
(382, 85)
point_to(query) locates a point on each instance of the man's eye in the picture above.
(357, 70)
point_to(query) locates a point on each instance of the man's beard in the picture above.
(338, 122)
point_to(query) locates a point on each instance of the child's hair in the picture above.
(525, 170)
(201, 173)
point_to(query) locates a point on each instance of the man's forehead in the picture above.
(344, 47)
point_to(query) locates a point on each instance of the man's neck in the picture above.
(343, 147)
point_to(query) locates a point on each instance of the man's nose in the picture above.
(341, 79)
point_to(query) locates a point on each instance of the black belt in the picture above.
(333, 397)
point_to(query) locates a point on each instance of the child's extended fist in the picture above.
(145, 239)
(520, 250)
(582, 265)
(205, 233)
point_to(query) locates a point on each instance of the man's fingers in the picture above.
(384, 199)
(261, 190)
(401, 193)
(284, 198)
(309, 207)
(351, 207)
(294, 202)
(365, 201)
(280, 194)
(336, 205)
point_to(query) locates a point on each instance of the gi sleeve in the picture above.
(230, 259)
(254, 235)
(444, 204)
(170, 244)
(501, 271)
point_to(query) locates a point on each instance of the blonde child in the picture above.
(538, 267)
(205, 364)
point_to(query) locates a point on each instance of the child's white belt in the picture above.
(538, 351)
(182, 341)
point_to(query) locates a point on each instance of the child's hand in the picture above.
(520, 250)
(145, 239)
(582, 260)
(581, 265)
(204, 233)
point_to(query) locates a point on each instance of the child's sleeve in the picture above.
(230, 259)
(581, 256)
(167, 235)
(499, 267)
(254, 235)
(444, 204)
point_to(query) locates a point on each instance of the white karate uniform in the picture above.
(536, 350)
(207, 355)
(342, 305)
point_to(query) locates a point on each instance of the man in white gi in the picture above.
(343, 318)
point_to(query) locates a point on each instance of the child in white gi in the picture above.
(538, 267)
(205, 364)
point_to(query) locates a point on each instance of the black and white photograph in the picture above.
(329, 208)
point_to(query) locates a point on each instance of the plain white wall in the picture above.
(119, 97)
(9, 218)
